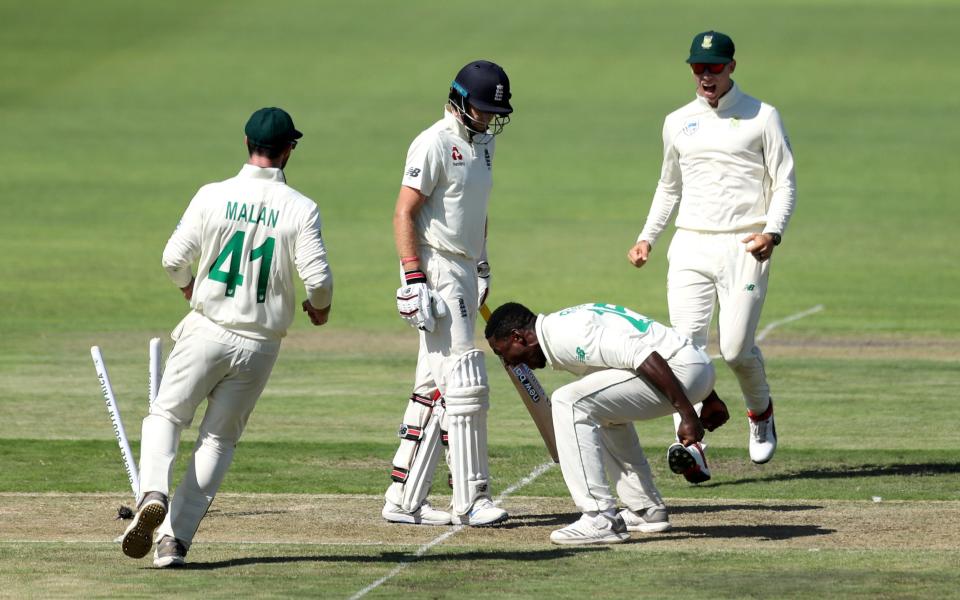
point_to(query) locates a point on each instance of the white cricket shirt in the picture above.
(730, 168)
(592, 337)
(251, 233)
(456, 177)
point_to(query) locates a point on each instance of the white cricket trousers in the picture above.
(454, 278)
(707, 268)
(209, 362)
(593, 419)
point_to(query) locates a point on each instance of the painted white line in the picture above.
(537, 472)
(763, 332)
(771, 326)
(207, 543)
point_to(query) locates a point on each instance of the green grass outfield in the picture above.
(114, 113)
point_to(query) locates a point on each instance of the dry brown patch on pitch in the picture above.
(873, 346)
(344, 519)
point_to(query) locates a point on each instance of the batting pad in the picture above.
(416, 458)
(467, 400)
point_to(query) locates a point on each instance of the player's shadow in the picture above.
(763, 532)
(539, 520)
(849, 471)
(715, 508)
(394, 558)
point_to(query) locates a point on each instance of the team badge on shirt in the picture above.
(457, 157)
(691, 126)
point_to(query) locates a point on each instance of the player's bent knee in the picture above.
(738, 354)
(565, 396)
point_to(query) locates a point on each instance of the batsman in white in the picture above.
(632, 369)
(439, 227)
(251, 233)
(728, 164)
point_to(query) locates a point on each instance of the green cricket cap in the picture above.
(271, 127)
(711, 47)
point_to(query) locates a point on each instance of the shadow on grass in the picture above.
(849, 471)
(394, 558)
(714, 508)
(765, 532)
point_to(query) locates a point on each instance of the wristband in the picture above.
(416, 276)
(409, 259)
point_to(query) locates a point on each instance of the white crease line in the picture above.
(537, 472)
(208, 543)
(770, 327)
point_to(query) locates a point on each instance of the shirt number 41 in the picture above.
(233, 252)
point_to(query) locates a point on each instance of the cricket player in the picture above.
(439, 227)
(728, 164)
(632, 369)
(251, 233)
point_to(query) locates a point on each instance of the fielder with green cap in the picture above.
(250, 234)
(728, 166)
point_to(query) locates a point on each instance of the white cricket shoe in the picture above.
(170, 552)
(425, 515)
(653, 519)
(599, 529)
(763, 435)
(689, 461)
(483, 512)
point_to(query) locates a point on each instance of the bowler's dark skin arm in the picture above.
(656, 370)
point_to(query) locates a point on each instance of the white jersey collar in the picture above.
(269, 173)
(726, 101)
(453, 124)
(538, 327)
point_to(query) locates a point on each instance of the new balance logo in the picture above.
(413, 172)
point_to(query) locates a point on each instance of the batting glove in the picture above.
(418, 304)
(483, 281)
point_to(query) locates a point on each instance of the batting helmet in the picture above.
(485, 86)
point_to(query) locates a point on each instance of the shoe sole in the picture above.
(590, 541)
(497, 521)
(651, 527)
(408, 519)
(764, 461)
(138, 538)
(168, 562)
(682, 463)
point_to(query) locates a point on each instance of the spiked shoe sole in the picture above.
(138, 538)
(682, 463)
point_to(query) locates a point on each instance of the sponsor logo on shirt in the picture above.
(486, 157)
(581, 355)
(463, 307)
(413, 172)
(691, 126)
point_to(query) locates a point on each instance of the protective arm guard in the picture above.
(467, 399)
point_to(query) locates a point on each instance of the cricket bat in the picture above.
(534, 397)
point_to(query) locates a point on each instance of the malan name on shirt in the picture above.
(239, 212)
